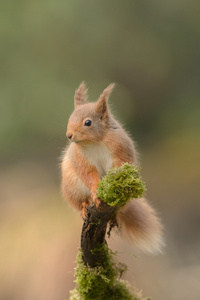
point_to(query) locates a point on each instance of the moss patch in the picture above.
(102, 282)
(121, 184)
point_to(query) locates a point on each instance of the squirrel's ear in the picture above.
(101, 105)
(80, 96)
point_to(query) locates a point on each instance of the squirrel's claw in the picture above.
(96, 202)
(84, 210)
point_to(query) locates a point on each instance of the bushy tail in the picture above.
(140, 225)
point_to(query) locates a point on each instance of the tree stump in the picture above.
(98, 273)
(94, 231)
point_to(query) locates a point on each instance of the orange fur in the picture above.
(93, 150)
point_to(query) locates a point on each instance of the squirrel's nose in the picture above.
(69, 135)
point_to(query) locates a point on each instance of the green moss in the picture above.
(121, 184)
(101, 282)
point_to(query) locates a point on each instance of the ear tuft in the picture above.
(106, 93)
(101, 105)
(80, 96)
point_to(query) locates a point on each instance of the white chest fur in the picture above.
(100, 157)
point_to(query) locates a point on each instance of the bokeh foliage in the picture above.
(150, 49)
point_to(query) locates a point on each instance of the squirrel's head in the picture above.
(89, 121)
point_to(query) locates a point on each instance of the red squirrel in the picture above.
(97, 143)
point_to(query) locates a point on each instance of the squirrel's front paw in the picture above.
(95, 199)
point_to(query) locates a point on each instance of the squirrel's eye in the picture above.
(88, 123)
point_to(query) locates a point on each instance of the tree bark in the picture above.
(94, 231)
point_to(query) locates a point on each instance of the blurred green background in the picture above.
(151, 49)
